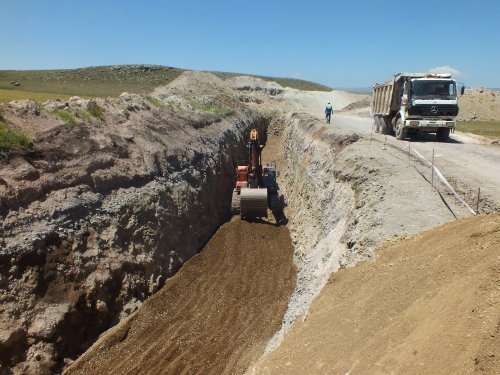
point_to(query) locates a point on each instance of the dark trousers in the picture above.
(328, 116)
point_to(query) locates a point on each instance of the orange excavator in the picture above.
(255, 188)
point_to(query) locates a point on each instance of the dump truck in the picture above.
(255, 189)
(416, 103)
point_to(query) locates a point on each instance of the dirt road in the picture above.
(469, 164)
(213, 317)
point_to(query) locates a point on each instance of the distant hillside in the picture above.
(104, 81)
(100, 81)
(357, 90)
(285, 82)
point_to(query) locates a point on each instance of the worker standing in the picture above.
(328, 111)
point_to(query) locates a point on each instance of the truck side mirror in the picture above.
(462, 90)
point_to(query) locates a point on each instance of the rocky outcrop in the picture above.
(252, 84)
(98, 213)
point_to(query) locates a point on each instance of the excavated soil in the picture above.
(428, 304)
(213, 317)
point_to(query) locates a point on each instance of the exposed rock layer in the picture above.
(96, 215)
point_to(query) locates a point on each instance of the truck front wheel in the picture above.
(400, 129)
(443, 134)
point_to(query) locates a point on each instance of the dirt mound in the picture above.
(270, 96)
(360, 104)
(214, 316)
(479, 104)
(247, 83)
(428, 304)
(360, 108)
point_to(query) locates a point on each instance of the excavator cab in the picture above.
(269, 175)
(255, 184)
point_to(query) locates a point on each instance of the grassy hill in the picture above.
(93, 82)
(104, 81)
(285, 82)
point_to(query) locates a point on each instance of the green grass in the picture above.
(490, 129)
(210, 107)
(95, 110)
(298, 84)
(94, 82)
(155, 101)
(84, 115)
(10, 138)
(66, 116)
(7, 95)
(175, 104)
(105, 81)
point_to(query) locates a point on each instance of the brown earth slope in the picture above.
(479, 104)
(429, 304)
(213, 317)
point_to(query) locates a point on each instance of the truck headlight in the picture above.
(450, 123)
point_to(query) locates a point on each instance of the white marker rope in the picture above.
(444, 181)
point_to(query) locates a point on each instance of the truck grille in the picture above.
(432, 110)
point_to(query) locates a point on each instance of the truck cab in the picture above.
(416, 103)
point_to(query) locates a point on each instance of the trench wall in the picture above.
(344, 195)
(318, 205)
(86, 254)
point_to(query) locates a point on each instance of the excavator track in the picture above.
(253, 202)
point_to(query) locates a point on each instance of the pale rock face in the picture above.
(45, 324)
(96, 215)
(39, 360)
(56, 105)
(24, 107)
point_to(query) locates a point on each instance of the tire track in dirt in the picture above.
(214, 316)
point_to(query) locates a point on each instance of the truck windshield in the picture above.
(429, 89)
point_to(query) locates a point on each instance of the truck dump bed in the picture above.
(382, 98)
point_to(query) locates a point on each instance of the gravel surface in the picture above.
(465, 160)
(213, 317)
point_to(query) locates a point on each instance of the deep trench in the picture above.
(87, 321)
(316, 207)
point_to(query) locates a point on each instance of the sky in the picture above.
(339, 43)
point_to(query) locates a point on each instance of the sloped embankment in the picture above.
(213, 317)
(100, 211)
(344, 196)
(428, 304)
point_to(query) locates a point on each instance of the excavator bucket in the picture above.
(253, 202)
